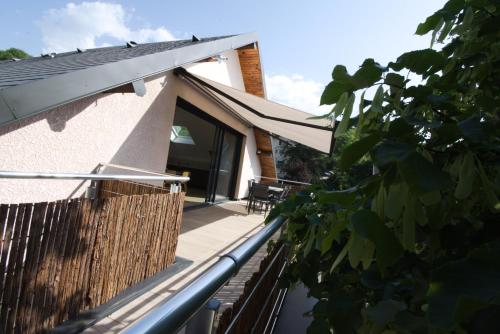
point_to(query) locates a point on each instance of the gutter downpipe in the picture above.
(183, 305)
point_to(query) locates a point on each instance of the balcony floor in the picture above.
(206, 234)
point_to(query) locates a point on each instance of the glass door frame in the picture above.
(217, 146)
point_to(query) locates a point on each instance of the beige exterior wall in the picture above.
(250, 165)
(119, 128)
(226, 72)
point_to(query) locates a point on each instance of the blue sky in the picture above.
(300, 41)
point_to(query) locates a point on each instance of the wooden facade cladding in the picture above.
(252, 78)
(250, 68)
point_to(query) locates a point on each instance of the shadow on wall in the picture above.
(145, 147)
(147, 144)
(55, 118)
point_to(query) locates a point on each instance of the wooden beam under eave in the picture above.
(127, 88)
(251, 71)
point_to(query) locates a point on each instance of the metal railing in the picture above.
(90, 176)
(155, 176)
(283, 180)
(140, 170)
(96, 176)
(183, 305)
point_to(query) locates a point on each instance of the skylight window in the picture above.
(180, 135)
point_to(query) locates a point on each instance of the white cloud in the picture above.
(297, 92)
(81, 25)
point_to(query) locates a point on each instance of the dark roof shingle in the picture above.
(13, 73)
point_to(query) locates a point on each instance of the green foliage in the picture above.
(415, 247)
(308, 165)
(13, 53)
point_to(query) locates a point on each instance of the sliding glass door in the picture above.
(227, 166)
(208, 150)
(224, 165)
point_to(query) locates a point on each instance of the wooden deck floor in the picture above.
(207, 233)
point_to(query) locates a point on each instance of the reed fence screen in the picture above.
(60, 258)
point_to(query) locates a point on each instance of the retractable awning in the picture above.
(273, 117)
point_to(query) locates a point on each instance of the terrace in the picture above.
(100, 263)
(206, 234)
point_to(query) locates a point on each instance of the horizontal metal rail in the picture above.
(134, 169)
(177, 310)
(89, 176)
(283, 180)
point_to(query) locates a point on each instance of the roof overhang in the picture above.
(273, 117)
(29, 99)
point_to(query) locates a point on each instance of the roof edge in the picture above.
(35, 97)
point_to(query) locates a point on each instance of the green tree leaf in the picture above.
(340, 73)
(352, 153)
(369, 73)
(394, 80)
(327, 242)
(420, 61)
(394, 204)
(421, 175)
(409, 217)
(488, 189)
(343, 197)
(473, 129)
(344, 123)
(430, 24)
(340, 105)
(368, 225)
(458, 284)
(340, 257)
(385, 311)
(466, 177)
(360, 250)
(391, 151)
(378, 99)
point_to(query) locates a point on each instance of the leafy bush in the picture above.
(305, 164)
(13, 53)
(414, 248)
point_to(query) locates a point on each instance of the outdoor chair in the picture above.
(276, 184)
(250, 187)
(260, 197)
(280, 197)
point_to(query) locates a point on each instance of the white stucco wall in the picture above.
(119, 128)
(226, 72)
(250, 165)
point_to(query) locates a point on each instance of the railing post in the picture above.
(203, 321)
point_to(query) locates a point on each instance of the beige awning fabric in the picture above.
(270, 116)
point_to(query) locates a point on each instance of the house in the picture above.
(195, 106)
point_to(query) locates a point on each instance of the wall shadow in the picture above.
(56, 118)
(147, 144)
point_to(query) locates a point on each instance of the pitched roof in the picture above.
(13, 73)
(34, 85)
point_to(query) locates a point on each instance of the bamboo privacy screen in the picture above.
(59, 258)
